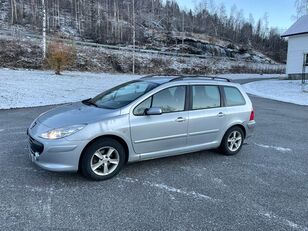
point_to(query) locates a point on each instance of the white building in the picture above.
(297, 61)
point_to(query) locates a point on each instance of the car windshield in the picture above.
(122, 95)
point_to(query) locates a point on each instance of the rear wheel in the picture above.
(103, 159)
(232, 141)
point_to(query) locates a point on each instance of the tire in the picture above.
(103, 159)
(232, 141)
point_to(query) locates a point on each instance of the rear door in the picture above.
(207, 117)
(159, 133)
(236, 105)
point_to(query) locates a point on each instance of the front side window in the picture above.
(233, 97)
(169, 100)
(122, 95)
(140, 109)
(306, 59)
(205, 97)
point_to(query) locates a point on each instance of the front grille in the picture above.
(35, 146)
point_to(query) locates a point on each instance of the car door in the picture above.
(154, 135)
(206, 116)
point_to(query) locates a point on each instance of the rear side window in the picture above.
(205, 97)
(233, 97)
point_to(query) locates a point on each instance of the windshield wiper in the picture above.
(89, 102)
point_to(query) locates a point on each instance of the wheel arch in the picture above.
(117, 138)
(241, 126)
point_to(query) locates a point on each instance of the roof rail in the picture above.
(161, 75)
(192, 77)
(183, 77)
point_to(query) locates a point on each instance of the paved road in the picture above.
(265, 187)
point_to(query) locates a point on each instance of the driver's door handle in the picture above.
(180, 119)
(220, 114)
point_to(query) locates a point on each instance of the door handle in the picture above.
(220, 114)
(180, 119)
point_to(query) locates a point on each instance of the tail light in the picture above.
(252, 115)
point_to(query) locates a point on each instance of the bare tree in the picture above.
(266, 24)
(134, 35)
(13, 11)
(44, 28)
(301, 8)
(142, 22)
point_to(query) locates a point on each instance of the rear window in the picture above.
(233, 96)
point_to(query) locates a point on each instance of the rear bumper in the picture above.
(250, 127)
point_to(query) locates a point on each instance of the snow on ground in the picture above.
(289, 91)
(26, 88)
(22, 88)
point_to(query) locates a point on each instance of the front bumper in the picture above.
(57, 155)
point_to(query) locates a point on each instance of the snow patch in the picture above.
(15, 128)
(19, 132)
(180, 191)
(24, 88)
(10, 142)
(219, 181)
(47, 209)
(171, 189)
(284, 221)
(280, 149)
(23, 187)
(130, 180)
(289, 91)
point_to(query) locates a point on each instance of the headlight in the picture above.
(59, 133)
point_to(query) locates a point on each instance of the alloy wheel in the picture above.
(104, 161)
(234, 141)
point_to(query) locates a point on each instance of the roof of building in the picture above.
(299, 27)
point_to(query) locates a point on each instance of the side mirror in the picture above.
(153, 111)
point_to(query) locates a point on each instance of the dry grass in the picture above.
(60, 56)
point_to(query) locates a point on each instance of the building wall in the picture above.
(298, 46)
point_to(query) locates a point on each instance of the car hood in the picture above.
(74, 114)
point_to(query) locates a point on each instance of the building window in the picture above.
(306, 59)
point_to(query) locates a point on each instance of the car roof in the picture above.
(164, 78)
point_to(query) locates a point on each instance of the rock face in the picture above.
(218, 48)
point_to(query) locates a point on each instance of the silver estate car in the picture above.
(153, 117)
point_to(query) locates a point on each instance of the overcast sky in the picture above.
(280, 11)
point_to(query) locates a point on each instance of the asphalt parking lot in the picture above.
(264, 187)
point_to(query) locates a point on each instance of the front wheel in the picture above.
(103, 159)
(232, 141)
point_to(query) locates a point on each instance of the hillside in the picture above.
(214, 40)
